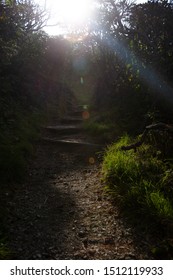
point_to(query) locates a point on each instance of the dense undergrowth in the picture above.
(99, 130)
(16, 144)
(101, 127)
(142, 178)
(141, 181)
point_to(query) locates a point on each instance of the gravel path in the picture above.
(62, 211)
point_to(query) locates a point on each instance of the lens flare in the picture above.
(91, 160)
(85, 115)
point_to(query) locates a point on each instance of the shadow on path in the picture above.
(40, 213)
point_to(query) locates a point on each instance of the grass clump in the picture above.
(102, 130)
(141, 180)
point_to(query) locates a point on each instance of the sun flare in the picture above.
(73, 11)
(64, 15)
(68, 12)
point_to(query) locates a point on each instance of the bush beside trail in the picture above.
(142, 180)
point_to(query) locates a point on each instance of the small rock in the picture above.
(81, 233)
(80, 254)
(91, 252)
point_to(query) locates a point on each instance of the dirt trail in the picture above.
(62, 212)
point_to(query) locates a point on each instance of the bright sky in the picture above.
(68, 12)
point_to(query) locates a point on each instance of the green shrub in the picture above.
(96, 127)
(160, 205)
(119, 166)
(104, 130)
(139, 179)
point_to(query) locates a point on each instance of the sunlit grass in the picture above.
(139, 179)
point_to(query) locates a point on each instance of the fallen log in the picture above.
(157, 126)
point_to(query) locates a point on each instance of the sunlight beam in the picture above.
(147, 74)
(66, 15)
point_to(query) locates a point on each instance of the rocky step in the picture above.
(71, 142)
(63, 129)
(71, 120)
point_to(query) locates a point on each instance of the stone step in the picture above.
(71, 120)
(71, 142)
(65, 129)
